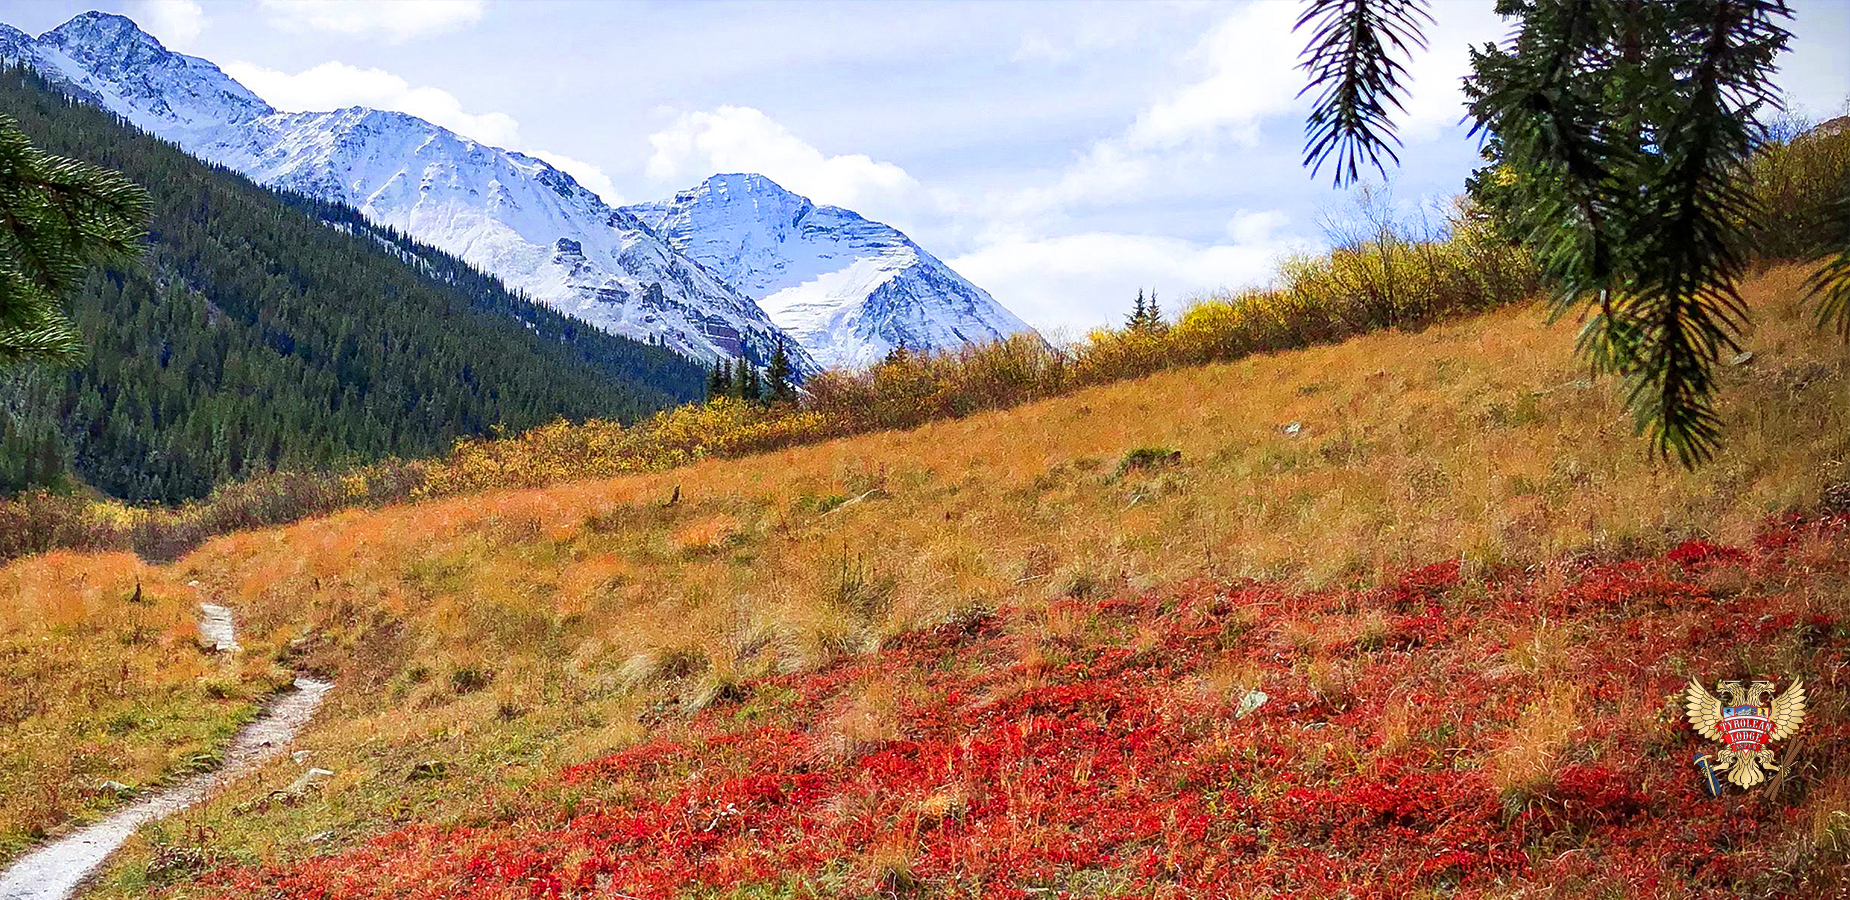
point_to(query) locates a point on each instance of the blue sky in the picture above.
(1061, 155)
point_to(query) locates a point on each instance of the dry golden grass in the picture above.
(511, 632)
(1531, 753)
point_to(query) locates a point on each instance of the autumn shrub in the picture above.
(1796, 180)
(37, 521)
(598, 448)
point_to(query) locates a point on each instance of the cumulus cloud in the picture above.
(1250, 61)
(1243, 74)
(394, 21)
(584, 173)
(334, 84)
(1069, 284)
(176, 22)
(1436, 95)
(743, 139)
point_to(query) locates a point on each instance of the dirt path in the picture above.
(55, 870)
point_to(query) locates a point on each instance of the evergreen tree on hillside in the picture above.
(58, 216)
(1147, 316)
(746, 383)
(1620, 131)
(777, 376)
(719, 381)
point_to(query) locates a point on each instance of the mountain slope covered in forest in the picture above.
(264, 330)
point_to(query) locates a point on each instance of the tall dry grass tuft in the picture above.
(1525, 764)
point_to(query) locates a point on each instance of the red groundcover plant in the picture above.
(1101, 749)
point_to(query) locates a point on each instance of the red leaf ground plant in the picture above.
(1105, 757)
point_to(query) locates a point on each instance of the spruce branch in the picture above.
(1356, 63)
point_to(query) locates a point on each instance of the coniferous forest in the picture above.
(265, 330)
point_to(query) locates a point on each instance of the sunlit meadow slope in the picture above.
(504, 635)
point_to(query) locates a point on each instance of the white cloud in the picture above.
(176, 22)
(1815, 76)
(1244, 75)
(1247, 227)
(1041, 48)
(1097, 28)
(392, 21)
(1245, 72)
(1251, 58)
(584, 173)
(742, 139)
(334, 84)
(1108, 170)
(1076, 282)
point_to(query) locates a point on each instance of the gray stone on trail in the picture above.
(217, 630)
(115, 787)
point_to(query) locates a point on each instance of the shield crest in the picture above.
(1747, 724)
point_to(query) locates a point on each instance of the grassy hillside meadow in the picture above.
(506, 636)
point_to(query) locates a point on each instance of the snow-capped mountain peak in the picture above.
(849, 289)
(112, 62)
(511, 214)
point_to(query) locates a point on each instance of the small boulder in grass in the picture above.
(308, 781)
(1254, 699)
(115, 788)
(1837, 498)
(1149, 458)
(429, 770)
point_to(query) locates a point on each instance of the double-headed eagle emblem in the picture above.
(1746, 723)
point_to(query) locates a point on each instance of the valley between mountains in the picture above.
(386, 515)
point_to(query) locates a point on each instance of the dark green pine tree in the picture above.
(719, 381)
(1625, 128)
(750, 389)
(1147, 316)
(58, 217)
(777, 376)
